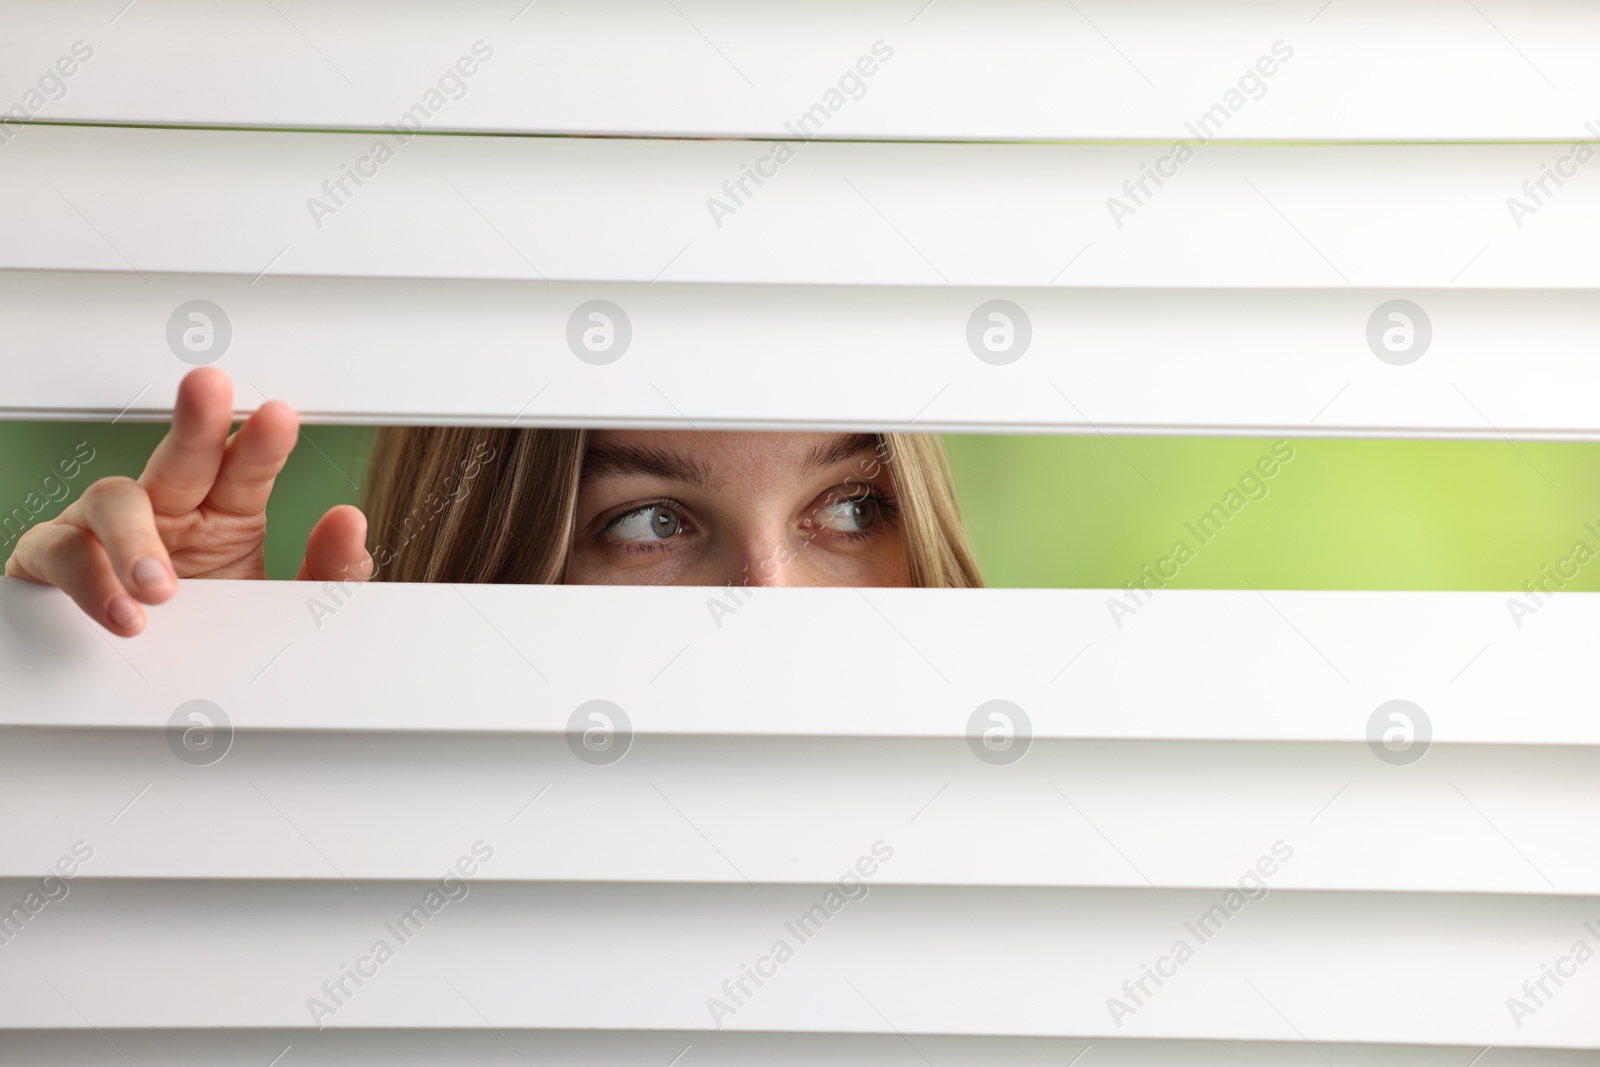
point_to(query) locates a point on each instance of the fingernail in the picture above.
(123, 611)
(148, 572)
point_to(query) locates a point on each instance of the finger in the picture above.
(253, 459)
(185, 464)
(336, 550)
(118, 512)
(71, 559)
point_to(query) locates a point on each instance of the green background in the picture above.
(1093, 511)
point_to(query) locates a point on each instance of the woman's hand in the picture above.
(197, 511)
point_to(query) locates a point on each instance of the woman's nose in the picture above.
(768, 558)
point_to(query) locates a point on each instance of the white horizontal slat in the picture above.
(1373, 967)
(1001, 902)
(587, 1048)
(1189, 664)
(1112, 361)
(605, 209)
(790, 809)
(1000, 70)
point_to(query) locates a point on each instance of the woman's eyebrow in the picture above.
(845, 446)
(602, 460)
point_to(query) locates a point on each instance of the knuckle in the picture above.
(45, 549)
(29, 542)
(28, 537)
(106, 490)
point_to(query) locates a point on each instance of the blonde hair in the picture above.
(468, 504)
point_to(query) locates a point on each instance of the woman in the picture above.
(453, 504)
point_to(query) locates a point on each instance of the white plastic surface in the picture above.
(1005, 69)
(617, 209)
(1189, 665)
(1373, 967)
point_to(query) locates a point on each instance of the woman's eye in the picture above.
(655, 523)
(849, 516)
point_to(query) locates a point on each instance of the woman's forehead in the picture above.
(693, 455)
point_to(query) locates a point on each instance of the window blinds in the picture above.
(1216, 846)
(1222, 308)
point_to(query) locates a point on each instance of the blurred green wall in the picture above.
(1342, 514)
(1094, 512)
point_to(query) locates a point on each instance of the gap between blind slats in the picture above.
(484, 1046)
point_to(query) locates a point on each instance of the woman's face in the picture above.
(678, 507)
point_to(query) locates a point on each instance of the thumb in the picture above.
(336, 550)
